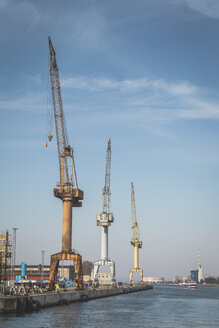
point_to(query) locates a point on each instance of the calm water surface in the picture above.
(168, 306)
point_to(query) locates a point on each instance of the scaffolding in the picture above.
(13, 254)
(5, 259)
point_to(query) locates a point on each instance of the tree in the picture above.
(210, 280)
(87, 267)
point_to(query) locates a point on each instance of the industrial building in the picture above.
(104, 278)
(181, 279)
(194, 275)
(200, 273)
(154, 280)
(197, 275)
(34, 272)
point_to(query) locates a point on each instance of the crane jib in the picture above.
(65, 152)
(59, 118)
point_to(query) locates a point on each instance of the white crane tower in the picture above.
(104, 219)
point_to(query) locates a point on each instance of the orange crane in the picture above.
(67, 189)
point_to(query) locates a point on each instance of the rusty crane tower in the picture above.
(67, 189)
(136, 242)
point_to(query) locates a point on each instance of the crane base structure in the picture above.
(137, 244)
(108, 263)
(131, 274)
(54, 264)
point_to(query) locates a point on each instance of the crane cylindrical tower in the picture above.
(104, 243)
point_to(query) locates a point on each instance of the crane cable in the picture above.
(49, 112)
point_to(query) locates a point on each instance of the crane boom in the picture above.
(63, 149)
(106, 189)
(135, 227)
(105, 218)
(133, 203)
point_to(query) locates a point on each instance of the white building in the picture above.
(181, 279)
(86, 278)
(104, 278)
(200, 273)
(155, 280)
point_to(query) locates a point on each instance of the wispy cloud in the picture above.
(139, 101)
(209, 8)
(147, 100)
(81, 82)
(81, 22)
(31, 102)
(200, 109)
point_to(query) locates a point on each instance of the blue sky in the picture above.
(144, 73)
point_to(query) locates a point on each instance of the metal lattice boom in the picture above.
(59, 117)
(106, 189)
(136, 237)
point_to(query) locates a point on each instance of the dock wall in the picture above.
(28, 303)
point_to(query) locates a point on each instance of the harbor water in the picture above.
(164, 306)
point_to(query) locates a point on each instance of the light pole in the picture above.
(42, 267)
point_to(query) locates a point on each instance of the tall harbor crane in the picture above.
(136, 242)
(67, 189)
(104, 219)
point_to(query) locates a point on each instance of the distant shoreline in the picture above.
(173, 284)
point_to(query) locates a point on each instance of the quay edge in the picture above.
(31, 302)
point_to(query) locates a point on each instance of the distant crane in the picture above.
(104, 219)
(65, 190)
(136, 242)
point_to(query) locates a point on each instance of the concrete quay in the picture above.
(31, 302)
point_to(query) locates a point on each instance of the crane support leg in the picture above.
(54, 264)
(131, 274)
